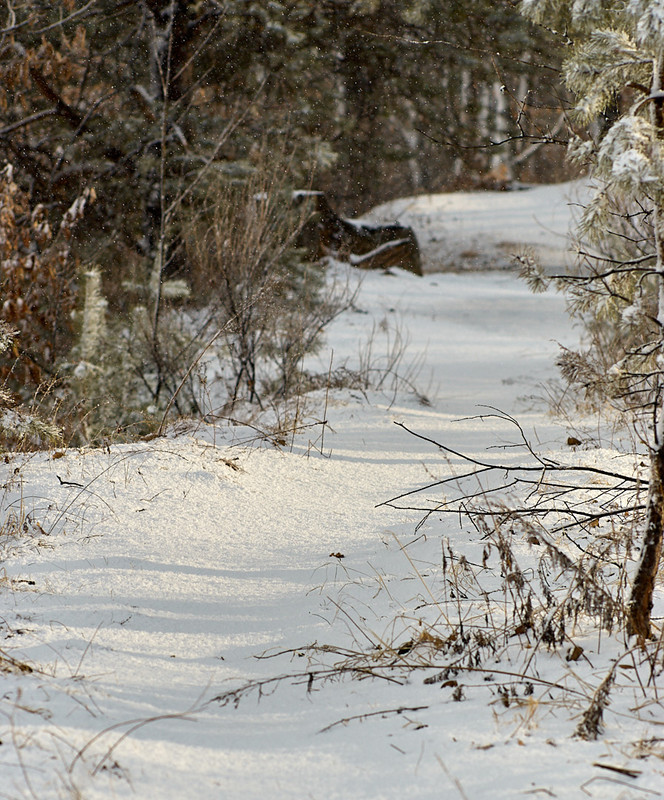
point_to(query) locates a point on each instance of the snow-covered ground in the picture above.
(483, 230)
(159, 590)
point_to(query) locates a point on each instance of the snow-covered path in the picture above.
(483, 230)
(148, 580)
(183, 559)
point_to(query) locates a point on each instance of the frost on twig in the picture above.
(531, 271)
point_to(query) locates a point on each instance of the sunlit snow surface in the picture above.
(149, 577)
(482, 230)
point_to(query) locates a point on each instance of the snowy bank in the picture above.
(482, 230)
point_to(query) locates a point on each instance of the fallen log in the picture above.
(365, 246)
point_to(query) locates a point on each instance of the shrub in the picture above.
(270, 303)
(38, 284)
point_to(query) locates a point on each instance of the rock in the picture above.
(366, 246)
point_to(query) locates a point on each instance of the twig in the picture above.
(452, 778)
(352, 621)
(550, 466)
(382, 713)
(204, 350)
(309, 676)
(631, 773)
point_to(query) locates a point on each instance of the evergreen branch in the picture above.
(637, 260)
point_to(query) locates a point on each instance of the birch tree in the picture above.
(615, 69)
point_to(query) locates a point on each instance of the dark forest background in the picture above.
(124, 121)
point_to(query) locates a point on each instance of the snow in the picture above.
(483, 230)
(146, 584)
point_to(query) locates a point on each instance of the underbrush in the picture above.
(224, 311)
(513, 585)
(531, 590)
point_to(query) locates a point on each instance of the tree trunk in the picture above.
(643, 586)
